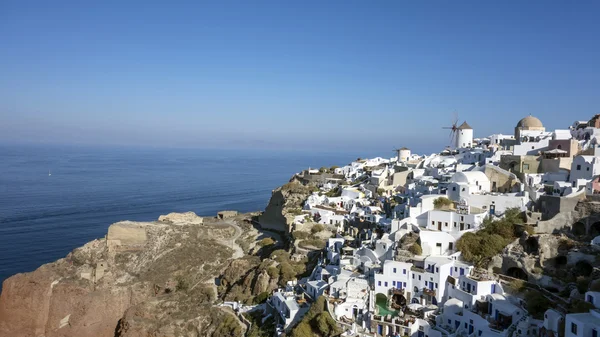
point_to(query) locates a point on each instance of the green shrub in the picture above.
(266, 242)
(273, 272)
(323, 169)
(317, 322)
(299, 235)
(294, 211)
(415, 249)
(537, 304)
(442, 202)
(332, 169)
(182, 284)
(317, 228)
(579, 306)
(308, 243)
(261, 298)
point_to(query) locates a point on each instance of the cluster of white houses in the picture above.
(374, 288)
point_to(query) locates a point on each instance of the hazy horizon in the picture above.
(336, 76)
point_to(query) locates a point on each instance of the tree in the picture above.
(323, 169)
(442, 202)
(317, 228)
(415, 249)
(332, 169)
(537, 304)
(266, 242)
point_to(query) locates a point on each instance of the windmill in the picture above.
(453, 130)
(397, 151)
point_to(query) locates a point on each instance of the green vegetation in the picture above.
(182, 284)
(415, 249)
(312, 242)
(295, 187)
(259, 329)
(336, 192)
(323, 169)
(294, 211)
(380, 191)
(298, 235)
(332, 169)
(479, 247)
(442, 202)
(537, 303)
(317, 322)
(579, 306)
(288, 269)
(266, 242)
(262, 297)
(229, 326)
(317, 228)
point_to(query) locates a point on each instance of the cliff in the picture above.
(142, 279)
(285, 203)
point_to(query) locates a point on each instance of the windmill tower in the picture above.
(453, 131)
(403, 154)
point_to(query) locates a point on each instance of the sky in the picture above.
(313, 75)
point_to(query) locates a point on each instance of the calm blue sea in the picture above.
(43, 217)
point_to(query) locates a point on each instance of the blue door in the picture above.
(430, 285)
(462, 271)
(468, 287)
(470, 329)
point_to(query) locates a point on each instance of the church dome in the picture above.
(530, 122)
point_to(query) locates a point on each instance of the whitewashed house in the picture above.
(583, 170)
(583, 325)
(316, 288)
(393, 275)
(437, 243)
(287, 310)
(465, 183)
(552, 322)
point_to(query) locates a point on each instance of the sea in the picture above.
(54, 199)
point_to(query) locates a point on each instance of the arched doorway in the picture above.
(531, 245)
(517, 273)
(595, 229)
(578, 229)
(583, 268)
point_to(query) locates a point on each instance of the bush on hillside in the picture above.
(317, 228)
(266, 242)
(317, 322)
(415, 249)
(537, 304)
(479, 247)
(442, 202)
(298, 235)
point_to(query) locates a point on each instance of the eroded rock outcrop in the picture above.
(286, 202)
(143, 279)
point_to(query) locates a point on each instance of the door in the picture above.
(430, 285)
(469, 287)
(439, 226)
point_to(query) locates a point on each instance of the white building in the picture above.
(453, 222)
(437, 243)
(583, 169)
(464, 136)
(583, 325)
(316, 288)
(593, 297)
(463, 184)
(531, 137)
(552, 322)
(394, 275)
(287, 310)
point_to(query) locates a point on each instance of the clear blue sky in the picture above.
(337, 75)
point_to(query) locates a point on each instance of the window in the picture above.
(404, 271)
(394, 283)
(433, 223)
(454, 224)
(426, 283)
(436, 286)
(454, 188)
(386, 284)
(437, 270)
(449, 321)
(445, 224)
(419, 277)
(413, 276)
(573, 328)
(578, 169)
(379, 283)
(463, 189)
(587, 168)
(438, 244)
(404, 283)
(394, 270)
(462, 218)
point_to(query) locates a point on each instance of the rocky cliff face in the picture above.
(286, 201)
(143, 279)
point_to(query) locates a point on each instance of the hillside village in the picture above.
(495, 237)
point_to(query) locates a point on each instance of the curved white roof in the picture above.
(470, 177)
